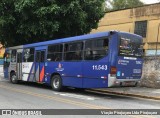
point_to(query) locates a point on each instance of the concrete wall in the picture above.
(151, 72)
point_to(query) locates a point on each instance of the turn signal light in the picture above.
(113, 70)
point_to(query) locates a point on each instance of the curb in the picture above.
(127, 94)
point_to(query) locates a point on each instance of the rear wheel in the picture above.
(13, 78)
(56, 83)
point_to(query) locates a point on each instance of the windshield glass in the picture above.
(130, 45)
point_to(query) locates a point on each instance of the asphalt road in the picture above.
(36, 96)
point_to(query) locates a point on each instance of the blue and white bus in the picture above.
(100, 60)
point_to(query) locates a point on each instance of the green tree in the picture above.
(28, 21)
(123, 4)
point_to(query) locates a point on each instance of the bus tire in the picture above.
(13, 78)
(56, 83)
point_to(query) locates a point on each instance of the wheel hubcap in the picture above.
(56, 83)
(13, 78)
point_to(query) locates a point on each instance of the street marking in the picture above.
(75, 96)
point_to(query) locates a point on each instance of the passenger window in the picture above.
(55, 52)
(28, 55)
(73, 51)
(96, 49)
(13, 55)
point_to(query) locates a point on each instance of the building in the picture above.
(144, 21)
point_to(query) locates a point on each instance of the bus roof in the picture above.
(15, 47)
(69, 39)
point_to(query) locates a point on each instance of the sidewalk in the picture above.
(142, 92)
(1, 70)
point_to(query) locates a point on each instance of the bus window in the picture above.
(73, 51)
(55, 52)
(13, 56)
(42, 56)
(28, 55)
(96, 49)
(130, 46)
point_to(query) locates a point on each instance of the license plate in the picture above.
(136, 70)
(129, 83)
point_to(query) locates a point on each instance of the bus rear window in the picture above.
(130, 45)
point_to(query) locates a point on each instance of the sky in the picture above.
(150, 1)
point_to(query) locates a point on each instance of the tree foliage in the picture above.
(123, 4)
(28, 21)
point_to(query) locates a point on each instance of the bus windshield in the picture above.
(130, 45)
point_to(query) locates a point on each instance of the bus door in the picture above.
(40, 65)
(19, 64)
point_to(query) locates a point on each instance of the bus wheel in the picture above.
(56, 83)
(13, 78)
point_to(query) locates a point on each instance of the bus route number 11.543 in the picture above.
(99, 67)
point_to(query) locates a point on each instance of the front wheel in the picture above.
(13, 78)
(56, 83)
